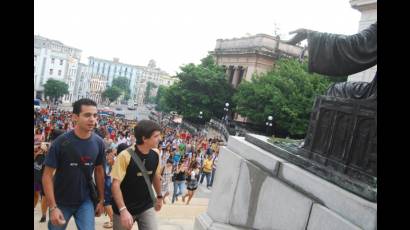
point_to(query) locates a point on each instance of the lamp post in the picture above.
(226, 109)
(269, 126)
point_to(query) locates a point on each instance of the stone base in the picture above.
(204, 222)
(257, 190)
(298, 157)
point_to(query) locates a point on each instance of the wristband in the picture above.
(51, 209)
(123, 208)
(159, 197)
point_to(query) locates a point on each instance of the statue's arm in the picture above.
(340, 55)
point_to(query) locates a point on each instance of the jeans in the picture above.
(208, 177)
(107, 191)
(83, 215)
(178, 185)
(146, 221)
(212, 177)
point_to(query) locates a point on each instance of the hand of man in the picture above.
(99, 209)
(126, 219)
(158, 204)
(301, 34)
(57, 217)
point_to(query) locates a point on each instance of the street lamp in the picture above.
(269, 126)
(226, 109)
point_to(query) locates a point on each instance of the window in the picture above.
(61, 62)
(59, 73)
(51, 72)
(52, 60)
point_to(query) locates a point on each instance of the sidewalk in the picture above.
(177, 216)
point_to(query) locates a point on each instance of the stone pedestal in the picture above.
(254, 189)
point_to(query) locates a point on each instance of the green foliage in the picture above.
(201, 87)
(147, 97)
(112, 93)
(287, 92)
(55, 89)
(121, 83)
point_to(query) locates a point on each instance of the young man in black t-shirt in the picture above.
(129, 189)
(68, 193)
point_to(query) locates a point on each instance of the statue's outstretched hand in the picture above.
(301, 34)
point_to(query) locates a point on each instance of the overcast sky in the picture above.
(178, 32)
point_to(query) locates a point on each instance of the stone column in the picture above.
(235, 79)
(228, 73)
(245, 72)
(241, 74)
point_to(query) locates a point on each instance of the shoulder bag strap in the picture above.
(138, 162)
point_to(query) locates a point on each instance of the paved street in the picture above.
(141, 112)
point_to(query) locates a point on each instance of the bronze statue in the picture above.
(341, 55)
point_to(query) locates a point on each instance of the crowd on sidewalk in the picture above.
(186, 159)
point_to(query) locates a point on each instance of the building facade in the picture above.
(82, 83)
(113, 69)
(242, 57)
(53, 59)
(97, 85)
(152, 74)
(138, 76)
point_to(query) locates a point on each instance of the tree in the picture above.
(123, 84)
(147, 95)
(160, 93)
(287, 92)
(201, 87)
(111, 93)
(55, 88)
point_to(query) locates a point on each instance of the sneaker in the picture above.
(43, 219)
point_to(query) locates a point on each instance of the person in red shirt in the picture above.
(112, 135)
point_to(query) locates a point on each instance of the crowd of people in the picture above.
(183, 160)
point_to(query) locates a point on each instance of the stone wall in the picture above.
(254, 189)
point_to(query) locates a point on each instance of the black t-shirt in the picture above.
(180, 176)
(133, 186)
(70, 184)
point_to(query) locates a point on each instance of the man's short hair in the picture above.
(145, 128)
(121, 147)
(83, 101)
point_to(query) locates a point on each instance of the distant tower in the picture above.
(152, 64)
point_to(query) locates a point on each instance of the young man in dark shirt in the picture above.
(129, 189)
(69, 193)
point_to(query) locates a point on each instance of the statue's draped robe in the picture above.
(340, 55)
